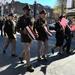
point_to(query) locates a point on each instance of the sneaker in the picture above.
(4, 52)
(21, 59)
(30, 68)
(14, 55)
(52, 51)
(44, 58)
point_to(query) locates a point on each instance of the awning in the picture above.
(70, 14)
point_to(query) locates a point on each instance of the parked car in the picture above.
(52, 26)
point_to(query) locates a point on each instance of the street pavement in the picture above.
(56, 65)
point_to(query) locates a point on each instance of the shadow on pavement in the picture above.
(10, 65)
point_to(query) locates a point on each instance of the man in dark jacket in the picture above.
(24, 21)
(10, 34)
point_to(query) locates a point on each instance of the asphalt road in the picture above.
(55, 65)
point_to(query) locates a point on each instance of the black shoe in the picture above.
(39, 59)
(44, 58)
(60, 53)
(13, 55)
(30, 68)
(68, 52)
(52, 51)
(21, 59)
(4, 52)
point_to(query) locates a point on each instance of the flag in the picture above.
(63, 22)
(48, 31)
(31, 33)
(73, 28)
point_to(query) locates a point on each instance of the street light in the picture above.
(35, 9)
(34, 14)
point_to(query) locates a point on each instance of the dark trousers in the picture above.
(67, 44)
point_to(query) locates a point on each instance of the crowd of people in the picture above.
(11, 28)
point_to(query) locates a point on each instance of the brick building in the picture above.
(16, 8)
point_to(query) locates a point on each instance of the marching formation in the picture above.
(39, 32)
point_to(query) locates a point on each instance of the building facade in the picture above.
(15, 7)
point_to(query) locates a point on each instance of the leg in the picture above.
(13, 47)
(45, 47)
(45, 50)
(60, 49)
(65, 45)
(26, 52)
(68, 45)
(53, 49)
(7, 41)
(38, 49)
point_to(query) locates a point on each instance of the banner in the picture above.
(69, 4)
(31, 33)
(48, 31)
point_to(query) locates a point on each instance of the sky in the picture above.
(50, 3)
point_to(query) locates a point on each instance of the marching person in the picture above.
(42, 35)
(10, 35)
(59, 37)
(24, 21)
(68, 37)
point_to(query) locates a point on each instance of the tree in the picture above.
(61, 6)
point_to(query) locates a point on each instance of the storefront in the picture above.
(71, 13)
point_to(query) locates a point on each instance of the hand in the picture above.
(6, 37)
(61, 29)
(67, 37)
(37, 35)
(43, 25)
(24, 31)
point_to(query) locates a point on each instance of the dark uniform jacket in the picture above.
(59, 34)
(41, 31)
(10, 29)
(21, 25)
(59, 31)
(68, 32)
